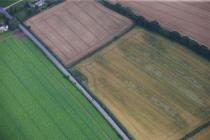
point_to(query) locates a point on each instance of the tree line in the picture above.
(196, 130)
(155, 27)
(22, 11)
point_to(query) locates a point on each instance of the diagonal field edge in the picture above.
(69, 76)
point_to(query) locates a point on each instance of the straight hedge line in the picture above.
(155, 27)
(196, 130)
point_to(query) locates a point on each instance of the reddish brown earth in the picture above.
(189, 18)
(73, 29)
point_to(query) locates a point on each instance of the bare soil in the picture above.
(189, 18)
(73, 29)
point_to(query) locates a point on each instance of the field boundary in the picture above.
(104, 45)
(196, 131)
(103, 105)
(13, 4)
(71, 79)
(155, 27)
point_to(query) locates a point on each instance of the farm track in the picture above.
(69, 76)
(33, 99)
(78, 102)
(70, 35)
(7, 3)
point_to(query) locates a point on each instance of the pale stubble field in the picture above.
(156, 88)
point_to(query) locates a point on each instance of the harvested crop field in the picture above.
(189, 18)
(156, 88)
(203, 135)
(74, 29)
(38, 103)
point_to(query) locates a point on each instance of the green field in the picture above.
(4, 3)
(38, 103)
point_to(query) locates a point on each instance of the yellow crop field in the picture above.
(156, 88)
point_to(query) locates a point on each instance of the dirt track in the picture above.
(74, 29)
(189, 18)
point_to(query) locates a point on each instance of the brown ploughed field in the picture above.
(189, 18)
(73, 29)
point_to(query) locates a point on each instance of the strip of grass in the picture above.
(4, 3)
(36, 102)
